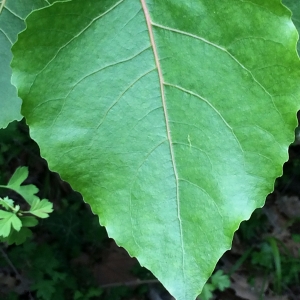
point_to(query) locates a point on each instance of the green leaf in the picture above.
(8, 220)
(294, 6)
(220, 280)
(15, 222)
(4, 214)
(6, 203)
(17, 237)
(207, 291)
(172, 118)
(29, 221)
(41, 208)
(263, 257)
(11, 23)
(26, 191)
(19, 176)
(45, 289)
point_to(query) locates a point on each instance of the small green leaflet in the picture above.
(8, 220)
(13, 227)
(19, 176)
(220, 281)
(29, 221)
(207, 292)
(26, 191)
(41, 208)
(19, 237)
(7, 203)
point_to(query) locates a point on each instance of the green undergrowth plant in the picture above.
(271, 239)
(171, 118)
(277, 264)
(14, 221)
(49, 261)
(218, 281)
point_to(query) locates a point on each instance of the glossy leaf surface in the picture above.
(172, 118)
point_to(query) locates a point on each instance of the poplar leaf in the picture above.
(172, 118)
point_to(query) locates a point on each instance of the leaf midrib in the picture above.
(161, 83)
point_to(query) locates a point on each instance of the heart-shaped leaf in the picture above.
(172, 118)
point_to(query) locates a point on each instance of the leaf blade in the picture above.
(8, 221)
(26, 191)
(121, 146)
(41, 208)
(20, 174)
